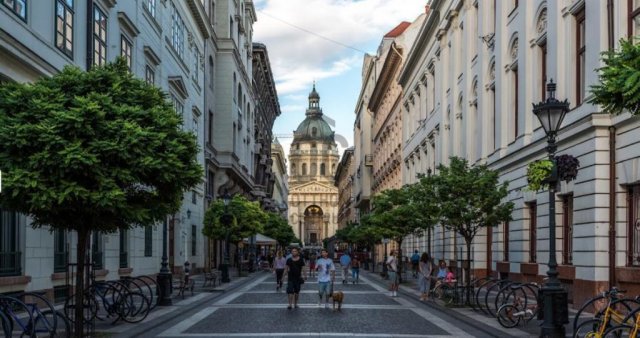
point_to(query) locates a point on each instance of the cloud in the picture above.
(301, 55)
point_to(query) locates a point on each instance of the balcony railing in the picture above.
(10, 263)
(59, 261)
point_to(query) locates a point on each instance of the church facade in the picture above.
(313, 158)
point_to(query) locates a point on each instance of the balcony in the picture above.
(10, 263)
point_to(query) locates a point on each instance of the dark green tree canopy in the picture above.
(98, 149)
(247, 219)
(619, 86)
(279, 229)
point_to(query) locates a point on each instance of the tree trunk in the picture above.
(468, 270)
(81, 251)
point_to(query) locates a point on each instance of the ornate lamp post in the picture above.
(226, 219)
(553, 295)
(164, 277)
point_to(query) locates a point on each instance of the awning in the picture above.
(262, 240)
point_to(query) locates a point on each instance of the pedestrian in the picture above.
(312, 264)
(326, 275)
(355, 269)
(295, 278)
(345, 261)
(442, 270)
(415, 260)
(392, 268)
(280, 263)
(425, 270)
(270, 259)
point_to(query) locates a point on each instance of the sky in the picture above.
(324, 41)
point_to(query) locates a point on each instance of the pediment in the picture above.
(314, 187)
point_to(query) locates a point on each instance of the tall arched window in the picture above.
(322, 169)
(514, 88)
(304, 169)
(235, 94)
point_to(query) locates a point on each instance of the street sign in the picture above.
(385, 240)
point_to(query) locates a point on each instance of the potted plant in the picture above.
(567, 167)
(538, 172)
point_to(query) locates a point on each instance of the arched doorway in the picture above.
(313, 221)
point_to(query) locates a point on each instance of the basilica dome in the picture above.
(314, 127)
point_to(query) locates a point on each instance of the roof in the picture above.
(399, 29)
(314, 128)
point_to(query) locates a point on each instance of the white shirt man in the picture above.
(326, 274)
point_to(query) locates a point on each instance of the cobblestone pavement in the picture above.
(255, 309)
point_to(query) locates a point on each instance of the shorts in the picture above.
(293, 286)
(323, 288)
(393, 278)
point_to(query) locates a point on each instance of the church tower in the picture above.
(313, 158)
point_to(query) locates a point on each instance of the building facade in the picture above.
(344, 181)
(313, 158)
(171, 59)
(471, 97)
(280, 190)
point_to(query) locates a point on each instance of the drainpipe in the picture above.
(612, 205)
(89, 31)
(612, 169)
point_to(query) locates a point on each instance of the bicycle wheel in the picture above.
(153, 284)
(589, 309)
(588, 329)
(480, 295)
(507, 315)
(63, 326)
(44, 319)
(7, 325)
(620, 331)
(133, 307)
(89, 306)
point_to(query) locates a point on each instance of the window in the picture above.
(194, 237)
(96, 251)
(567, 229)
(313, 145)
(194, 197)
(19, 7)
(505, 241)
(633, 202)
(149, 75)
(125, 50)
(10, 256)
(634, 17)
(210, 128)
(533, 231)
(64, 26)
(212, 13)
(580, 57)
(196, 66)
(515, 104)
(177, 105)
(148, 241)
(322, 169)
(195, 127)
(151, 7)
(124, 259)
(177, 32)
(293, 169)
(304, 169)
(60, 250)
(543, 71)
(99, 37)
(211, 78)
(210, 184)
(314, 131)
(230, 27)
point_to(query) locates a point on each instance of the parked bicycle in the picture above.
(33, 316)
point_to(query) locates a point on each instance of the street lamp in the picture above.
(164, 277)
(553, 295)
(384, 264)
(226, 219)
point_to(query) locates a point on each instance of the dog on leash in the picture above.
(337, 297)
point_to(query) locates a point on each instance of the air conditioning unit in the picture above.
(368, 160)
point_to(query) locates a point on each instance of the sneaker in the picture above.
(289, 307)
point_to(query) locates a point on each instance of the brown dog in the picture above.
(337, 297)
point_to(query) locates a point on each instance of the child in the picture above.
(450, 277)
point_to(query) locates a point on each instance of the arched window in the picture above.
(314, 169)
(293, 169)
(322, 170)
(211, 78)
(235, 95)
(304, 169)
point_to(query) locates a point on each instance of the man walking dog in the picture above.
(326, 275)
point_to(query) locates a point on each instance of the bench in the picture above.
(211, 278)
(184, 283)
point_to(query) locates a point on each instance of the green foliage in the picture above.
(538, 172)
(567, 167)
(470, 198)
(247, 219)
(619, 86)
(364, 234)
(279, 229)
(97, 150)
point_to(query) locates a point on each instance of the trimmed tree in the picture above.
(93, 151)
(470, 199)
(619, 86)
(247, 219)
(396, 214)
(279, 229)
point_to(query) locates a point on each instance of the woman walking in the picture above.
(355, 269)
(279, 264)
(392, 268)
(424, 274)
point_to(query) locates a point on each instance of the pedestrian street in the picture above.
(256, 309)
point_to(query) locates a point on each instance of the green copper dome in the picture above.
(314, 127)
